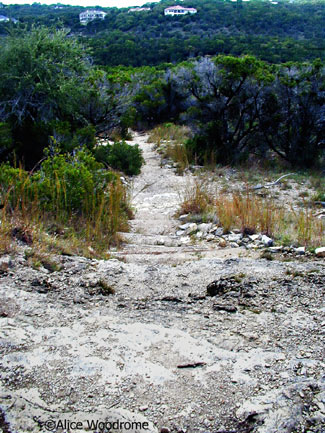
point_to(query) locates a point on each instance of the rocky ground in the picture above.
(197, 337)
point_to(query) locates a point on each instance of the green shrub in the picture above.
(71, 189)
(121, 156)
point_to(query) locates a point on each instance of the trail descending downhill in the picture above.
(246, 356)
(156, 197)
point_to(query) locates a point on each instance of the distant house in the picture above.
(90, 15)
(139, 9)
(4, 19)
(179, 10)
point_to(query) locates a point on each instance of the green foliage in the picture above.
(42, 83)
(73, 190)
(287, 31)
(121, 156)
(5, 137)
(64, 184)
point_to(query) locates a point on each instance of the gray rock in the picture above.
(268, 242)
(217, 231)
(204, 227)
(234, 237)
(192, 228)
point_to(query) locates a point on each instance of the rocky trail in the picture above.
(195, 339)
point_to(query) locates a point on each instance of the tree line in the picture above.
(53, 98)
(275, 33)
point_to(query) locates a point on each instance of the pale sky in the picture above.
(104, 3)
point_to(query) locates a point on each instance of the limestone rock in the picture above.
(268, 242)
(320, 252)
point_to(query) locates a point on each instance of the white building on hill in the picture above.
(179, 10)
(90, 15)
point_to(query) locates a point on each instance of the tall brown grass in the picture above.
(170, 141)
(52, 226)
(251, 214)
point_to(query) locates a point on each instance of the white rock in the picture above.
(210, 237)
(234, 237)
(276, 249)
(199, 235)
(192, 228)
(184, 226)
(254, 237)
(300, 250)
(183, 217)
(204, 227)
(180, 232)
(268, 242)
(320, 252)
(218, 231)
(185, 240)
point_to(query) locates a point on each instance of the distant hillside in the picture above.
(276, 32)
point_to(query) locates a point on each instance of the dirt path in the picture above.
(156, 196)
(249, 359)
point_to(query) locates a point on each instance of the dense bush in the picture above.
(43, 88)
(65, 184)
(237, 107)
(121, 156)
(73, 190)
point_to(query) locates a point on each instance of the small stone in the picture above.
(184, 226)
(206, 422)
(183, 217)
(210, 237)
(199, 235)
(192, 228)
(234, 237)
(221, 307)
(164, 430)
(180, 232)
(185, 240)
(204, 227)
(268, 242)
(222, 243)
(300, 250)
(276, 249)
(218, 231)
(320, 252)
(254, 237)
(91, 250)
(234, 245)
(143, 408)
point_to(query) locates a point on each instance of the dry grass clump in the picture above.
(69, 207)
(251, 214)
(248, 212)
(168, 132)
(197, 199)
(170, 140)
